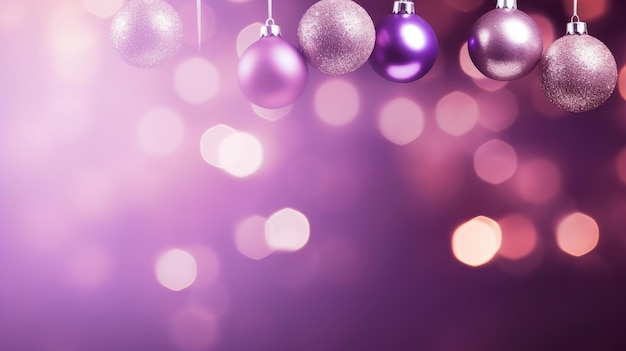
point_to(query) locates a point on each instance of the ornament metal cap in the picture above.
(506, 4)
(576, 28)
(270, 29)
(403, 7)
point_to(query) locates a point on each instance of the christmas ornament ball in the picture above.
(578, 73)
(336, 36)
(272, 73)
(505, 44)
(146, 32)
(405, 49)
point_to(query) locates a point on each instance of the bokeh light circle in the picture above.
(176, 269)
(577, 234)
(337, 102)
(537, 180)
(401, 121)
(495, 161)
(250, 238)
(519, 236)
(196, 80)
(457, 113)
(241, 154)
(210, 142)
(287, 230)
(476, 241)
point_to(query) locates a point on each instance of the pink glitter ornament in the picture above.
(146, 32)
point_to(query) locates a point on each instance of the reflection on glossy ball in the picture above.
(272, 73)
(578, 73)
(146, 32)
(405, 49)
(505, 44)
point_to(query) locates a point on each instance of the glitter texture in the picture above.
(578, 73)
(146, 32)
(336, 36)
(505, 44)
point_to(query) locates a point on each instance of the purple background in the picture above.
(378, 272)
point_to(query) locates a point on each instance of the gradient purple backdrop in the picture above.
(85, 211)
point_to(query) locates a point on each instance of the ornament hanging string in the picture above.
(270, 20)
(575, 17)
(199, 21)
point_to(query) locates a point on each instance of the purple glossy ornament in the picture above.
(505, 43)
(146, 32)
(272, 73)
(578, 73)
(406, 45)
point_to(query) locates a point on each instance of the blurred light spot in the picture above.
(495, 161)
(457, 113)
(160, 131)
(465, 5)
(588, 9)
(14, 12)
(476, 241)
(250, 238)
(546, 28)
(241, 154)
(67, 119)
(577, 234)
(74, 44)
(498, 110)
(287, 230)
(196, 80)
(489, 84)
(467, 65)
(188, 14)
(247, 36)
(519, 237)
(401, 121)
(103, 8)
(537, 181)
(194, 329)
(272, 114)
(620, 165)
(176, 269)
(621, 83)
(336, 102)
(90, 267)
(210, 143)
(207, 263)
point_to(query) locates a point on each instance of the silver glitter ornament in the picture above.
(578, 72)
(336, 36)
(146, 32)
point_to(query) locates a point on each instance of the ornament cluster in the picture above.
(577, 72)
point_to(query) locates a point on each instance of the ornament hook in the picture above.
(403, 7)
(506, 4)
(270, 29)
(575, 26)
